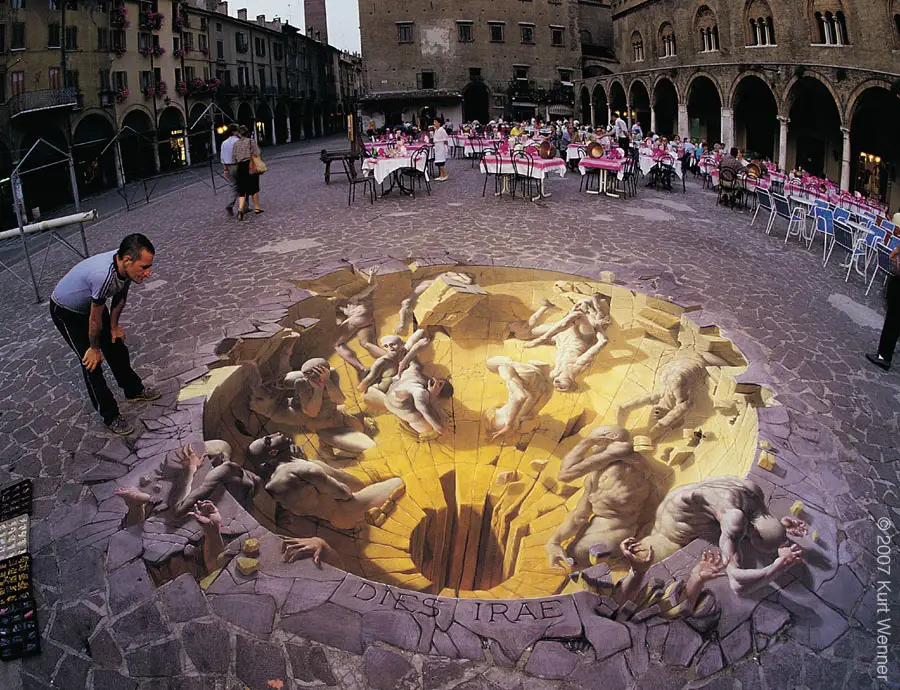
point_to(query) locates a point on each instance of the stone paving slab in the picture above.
(833, 428)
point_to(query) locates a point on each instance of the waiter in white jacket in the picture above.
(441, 144)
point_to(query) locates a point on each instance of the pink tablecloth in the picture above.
(609, 164)
(540, 167)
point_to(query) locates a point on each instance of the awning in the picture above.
(564, 110)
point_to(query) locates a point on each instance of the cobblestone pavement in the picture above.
(805, 330)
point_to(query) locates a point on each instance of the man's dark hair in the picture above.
(133, 245)
(734, 152)
(233, 128)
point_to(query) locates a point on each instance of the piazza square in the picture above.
(571, 377)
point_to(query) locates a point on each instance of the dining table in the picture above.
(388, 167)
(539, 168)
(605, 166)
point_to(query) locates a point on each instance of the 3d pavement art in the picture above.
(500, 463)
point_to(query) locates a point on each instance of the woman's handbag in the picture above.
(257, 165)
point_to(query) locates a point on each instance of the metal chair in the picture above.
(824, 220)
(843, 238)
(883, 264)
(416, 172)
(727, 182)
(523, 168)
(782, 209)
(366, 180)
(492, 167)
(763, 201)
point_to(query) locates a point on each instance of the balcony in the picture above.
(43, 99)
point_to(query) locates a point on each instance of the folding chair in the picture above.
(883, 264)
(417, 172)
(782, 209)
(824, 220)
(763, 201)
(843, 238)
(523, 168)
(492, 166)
(366, 179)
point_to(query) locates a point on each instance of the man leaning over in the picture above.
(78, 309)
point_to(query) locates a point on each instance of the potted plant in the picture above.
(158, 51)
(149, 92)
(179, 52)
(181, 87)
(121, 95)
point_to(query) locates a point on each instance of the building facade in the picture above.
(467, 60)
(811, 84)
(138, 88)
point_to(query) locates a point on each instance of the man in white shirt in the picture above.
(226, 155)
(620, 132)
(441, 140)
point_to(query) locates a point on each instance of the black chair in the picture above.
(492, 165)
(523, 167)
(590, 180)
(727, 184)
(367, 182)
(416, 172)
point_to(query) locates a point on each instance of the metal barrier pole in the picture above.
(77, 200)
(19, 205)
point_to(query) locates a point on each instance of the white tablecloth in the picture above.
(541, 167)
(381, 168)
(575, 152)
(646, 162)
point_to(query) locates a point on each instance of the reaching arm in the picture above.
(588, 355)
(747, 580)
(674, 417)
(333, 387)
(310, 405)
(555, 329)
(323, 482)
(580, 460)
(573, 523)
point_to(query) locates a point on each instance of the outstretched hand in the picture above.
(206, 513)
(710, 566)
(794, 526)
(558, 558)
(310, 547)
(189, 459)
(790, 554)
(631, 550)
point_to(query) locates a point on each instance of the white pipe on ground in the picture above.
(83, 217)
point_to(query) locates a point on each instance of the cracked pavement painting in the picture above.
(438, 595)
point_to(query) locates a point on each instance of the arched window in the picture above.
(586, 36)
(637, 47)
(761, 27)
(667, 47)
(708, 31)
(829, 23)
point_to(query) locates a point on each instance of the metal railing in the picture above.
(43, 99)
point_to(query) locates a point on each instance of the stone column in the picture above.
(155, 154)
(684, 125)
(845, 161)
(782, 142)
(609, 114)
(628, 114)
(593, 116)
(321, 124)
(727, 127)
(274, 132)
(187, 148)
(652, 119)
(288, 123)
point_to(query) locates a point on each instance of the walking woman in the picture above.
(247, 182)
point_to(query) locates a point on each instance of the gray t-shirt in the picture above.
(93, 280)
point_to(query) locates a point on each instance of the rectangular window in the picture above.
(118, 40)
(224, 76)
(557, 36)
(260, 47)
(520, 72)
(102, 39)
(176, 43)
(53, 4)
(527, 31)
(17, 36)
(464, 30)
(427, 79)
(262, 77)
(2, 42)
(145, 41)
(404, 32)
(71, 38)
(189, 73)
(474, 73)
(146, 79)
(100, 7)
(53, 38)
(205, 72)
(202, 44)
(220, 50)
(219, 26)
(243, 75)
(120, 80)
(496, 32)
(278, 80)
(177, 75)
(105, 81)
(241, 44)
(17, 81)
(188, 39)
(55, 81)
(71, 79)
(17, 5)
(204, 25)
(278, 51)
